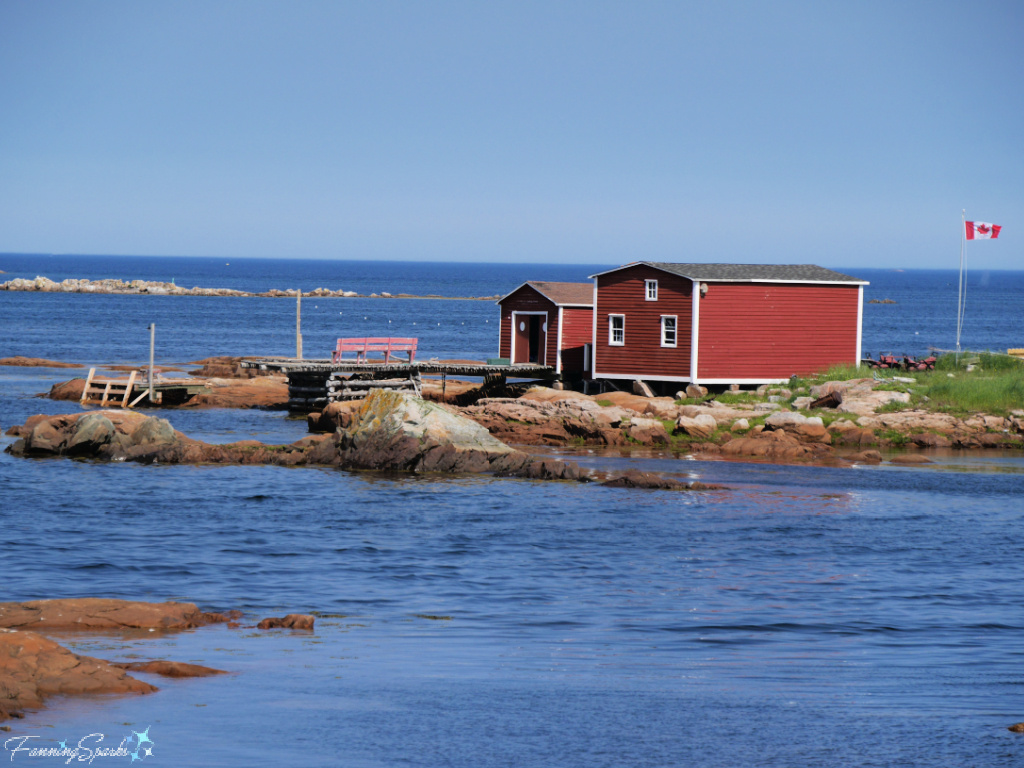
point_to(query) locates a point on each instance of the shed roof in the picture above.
(561, 294)
(753, 273)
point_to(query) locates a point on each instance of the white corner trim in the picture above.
(860, 324)
(558, 344)
(593, 332)
(694, 327)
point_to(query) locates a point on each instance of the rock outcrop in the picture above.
(33, 667)
(291, 621)
(776, 445)
(391, 431)
(96, 613)
(396, 431)
(37, 362)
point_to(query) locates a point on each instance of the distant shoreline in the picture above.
(156, 288)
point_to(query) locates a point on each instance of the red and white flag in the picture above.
(979, 230)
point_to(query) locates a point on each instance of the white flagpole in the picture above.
(961, 292)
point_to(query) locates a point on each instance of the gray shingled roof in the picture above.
(782, 273)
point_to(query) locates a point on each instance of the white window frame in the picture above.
(675, 331)
(611, 331)
(651, 290)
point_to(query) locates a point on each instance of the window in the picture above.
(668, 330)
(617, 330)
(652, 289)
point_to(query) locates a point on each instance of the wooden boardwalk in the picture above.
(314, 383)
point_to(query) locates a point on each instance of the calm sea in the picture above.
(808, 617)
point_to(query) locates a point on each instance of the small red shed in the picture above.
(548, 324)
(724, 323)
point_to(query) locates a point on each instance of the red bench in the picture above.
(387, 346)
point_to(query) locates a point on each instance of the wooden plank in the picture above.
(128, 390)
(88, 383)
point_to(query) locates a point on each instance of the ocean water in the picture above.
(807, 616)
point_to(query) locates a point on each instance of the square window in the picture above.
(617, 330)
(651, 287)
(668, 330)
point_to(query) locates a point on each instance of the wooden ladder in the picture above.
(115, 392)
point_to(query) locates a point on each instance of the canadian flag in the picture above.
(979, 230)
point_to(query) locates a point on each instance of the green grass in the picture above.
(732, 398)
(982, 361)
(972, 393)
(894, 407)
(995, 385)
(894, 437)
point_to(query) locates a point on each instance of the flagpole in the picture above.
(960, 294)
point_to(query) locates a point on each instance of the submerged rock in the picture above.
(166, 668)
(637, 479)
(291, 621)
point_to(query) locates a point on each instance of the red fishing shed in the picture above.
(548, 324)
(724, 323)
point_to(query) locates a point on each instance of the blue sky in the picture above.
(844, 134)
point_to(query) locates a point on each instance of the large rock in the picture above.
(97, 613)
(808, 429)
(116, 435)
(396, 431)
(776, 445)
(92, 432)
(647, 431)
(699, 427)
(334, 416)
(33, 667)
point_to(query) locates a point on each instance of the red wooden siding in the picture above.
(526, 299)
(577, 326)
(771, 331)
(624, 293)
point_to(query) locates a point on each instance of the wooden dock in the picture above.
(127, 393)
(312, 384)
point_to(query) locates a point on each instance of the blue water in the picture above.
(923, 318)
(807, 617)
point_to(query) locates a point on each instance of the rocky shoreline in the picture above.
(386, 432)
(34, 667)
(156, 288)
(774, 423)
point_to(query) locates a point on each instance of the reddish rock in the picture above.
(647, 431)
(268, 392)
(637, 479)
(225, 368)
(95, 613)
(1016, 728)
(699, 427)
(291, 621)
(865, 457)
(33, 667)
(776, 445)
(37, 362)
(911, 458)
(333, 416)
(68, 390)
(169, 668)
(930, 440)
